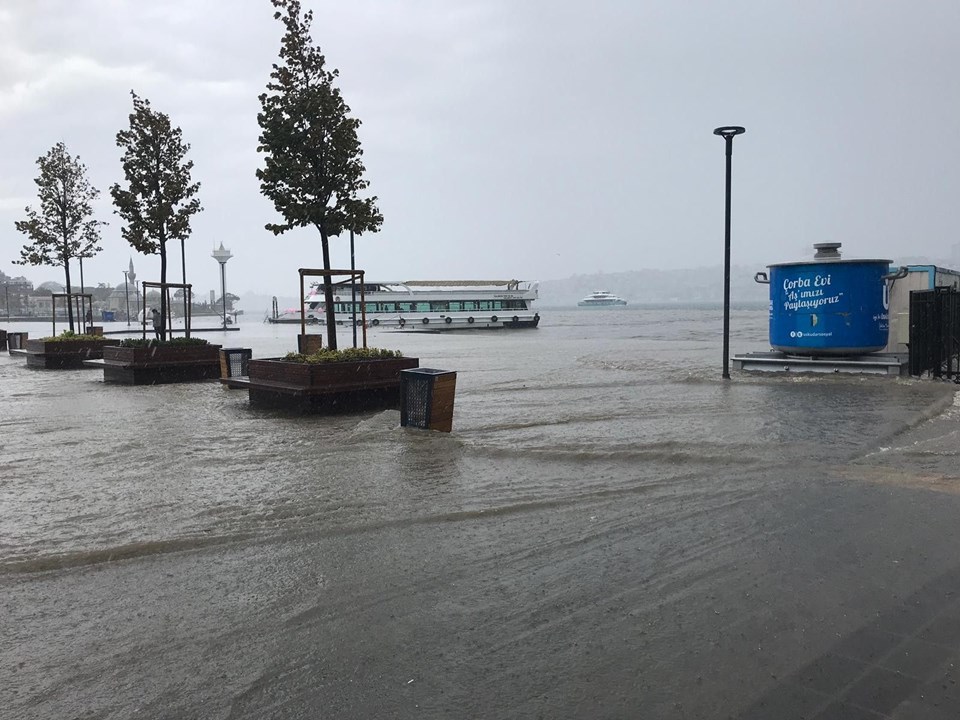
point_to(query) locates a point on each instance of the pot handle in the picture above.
(900, 273)
(761, 277)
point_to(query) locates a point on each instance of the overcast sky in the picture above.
(529, 139)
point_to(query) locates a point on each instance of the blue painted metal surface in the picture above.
(837, 307)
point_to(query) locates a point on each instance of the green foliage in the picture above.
(326, 355)
(175, 342)
(158, 202)
(312, 170)
(69, 335)
(62, 229)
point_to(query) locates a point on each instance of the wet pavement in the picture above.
(787, 592)
(601, 537)
(903, 665)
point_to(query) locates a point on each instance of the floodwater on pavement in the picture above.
(610, 531)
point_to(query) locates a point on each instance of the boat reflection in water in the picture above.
(601, 298)
(427, 305)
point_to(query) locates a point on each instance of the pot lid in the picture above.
(829, 253)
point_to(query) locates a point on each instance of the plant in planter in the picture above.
(172, 342)
(330, 380)
(347, 355)
(67, 350)
(145, 362)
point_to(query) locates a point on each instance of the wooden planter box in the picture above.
(160, 364)
(58, 354)
(328, 387)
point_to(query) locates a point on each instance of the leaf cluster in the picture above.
(313, 170)
(326, 355)
(158, 201)
(62, 227)
(70, 335)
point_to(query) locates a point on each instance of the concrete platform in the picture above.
(772, 361)
(241, 382)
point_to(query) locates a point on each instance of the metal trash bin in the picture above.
(17, 340)
(3, 339)
(426, 398)
(234, 361)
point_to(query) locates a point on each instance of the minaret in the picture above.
(132, 276)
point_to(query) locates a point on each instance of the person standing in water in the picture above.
(157, 323)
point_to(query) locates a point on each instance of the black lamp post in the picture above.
(126, 295)
(728, 133)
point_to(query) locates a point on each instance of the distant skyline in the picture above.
(534, 140)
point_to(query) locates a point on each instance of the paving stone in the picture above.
(881, 690)
(786, 702)
(918, 659)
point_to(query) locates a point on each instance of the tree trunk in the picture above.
(183, 263)
(53, 308)
(328, 293)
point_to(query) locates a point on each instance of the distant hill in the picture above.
(698, 285)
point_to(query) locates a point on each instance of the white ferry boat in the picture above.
(601, 298)
(427, 305)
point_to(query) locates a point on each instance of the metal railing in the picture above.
(935, 333)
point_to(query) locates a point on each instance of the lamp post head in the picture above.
(728, 132)
(221, 255)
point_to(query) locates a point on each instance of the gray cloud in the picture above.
(534, 140)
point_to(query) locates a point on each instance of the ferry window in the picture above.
(389, 307)
(439, 305)
(497, 305)
(423, 307)
(371, 307)
(485, 305)
(455, 306)
(405, 307)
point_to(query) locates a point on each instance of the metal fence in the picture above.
(935, 332)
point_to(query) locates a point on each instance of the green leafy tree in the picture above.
(159, 201)
(62, 228)
(312, 168)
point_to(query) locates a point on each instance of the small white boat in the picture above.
(601, 298)
(426, 305)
